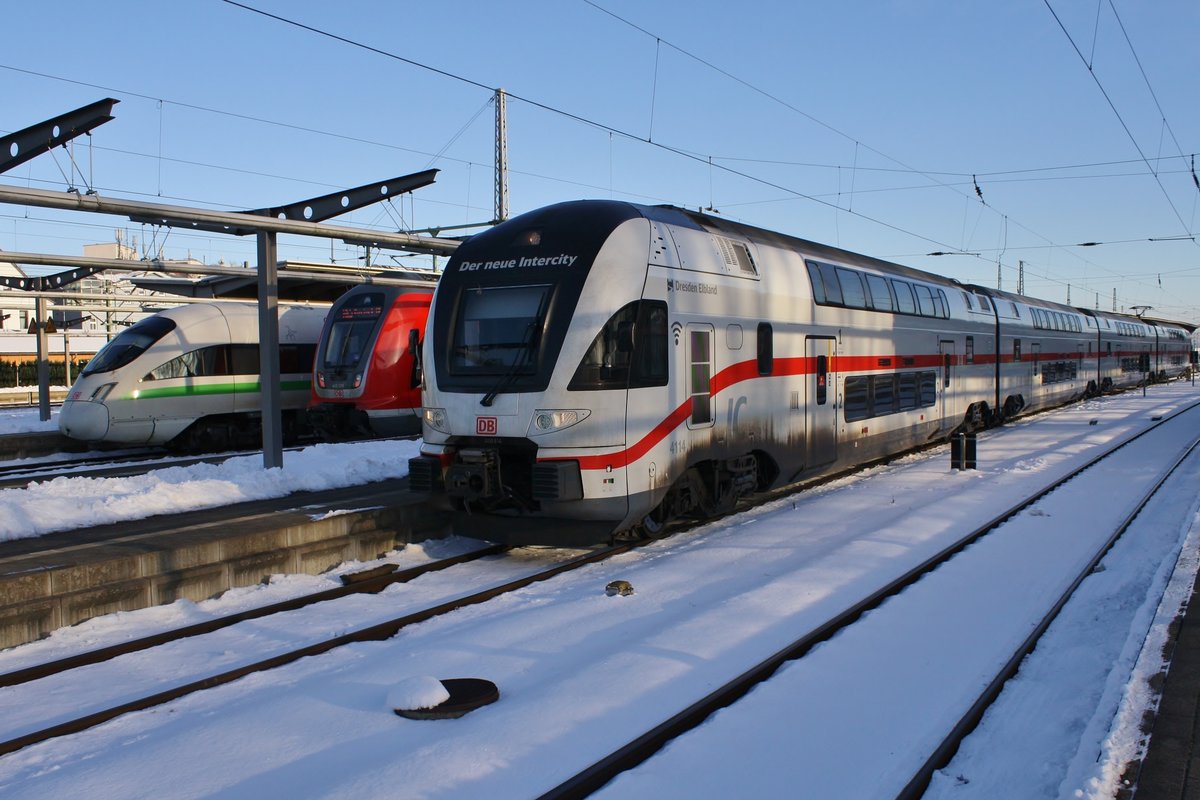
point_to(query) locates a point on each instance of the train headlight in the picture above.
(549, 420)
(436, 419)
(321, 379)
(102, 392)
(357, 380)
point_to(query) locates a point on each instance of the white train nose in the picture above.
(80, 419)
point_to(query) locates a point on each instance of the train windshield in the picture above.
(497, 330)
(129, 344)
(351, 332)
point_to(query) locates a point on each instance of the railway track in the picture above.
(696, 713)
(642, 747)
(372, 632)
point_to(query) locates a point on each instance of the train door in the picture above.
(946, 351)
(821, 405)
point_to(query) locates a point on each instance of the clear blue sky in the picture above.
(858, 124)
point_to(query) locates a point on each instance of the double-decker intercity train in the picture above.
(597, 368)
(367, 375)
(188, 377)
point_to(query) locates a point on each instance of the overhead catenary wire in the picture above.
(1112, 105)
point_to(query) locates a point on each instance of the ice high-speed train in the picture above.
(612, 366)
(367, 375)
(188, 377)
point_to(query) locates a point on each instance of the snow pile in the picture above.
(413, 694)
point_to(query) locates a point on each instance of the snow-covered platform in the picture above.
(62, 578)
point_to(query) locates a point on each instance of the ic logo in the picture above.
(486, 426)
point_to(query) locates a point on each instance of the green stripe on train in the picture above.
(205, 389)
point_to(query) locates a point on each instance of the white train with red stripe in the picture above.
(613, 366)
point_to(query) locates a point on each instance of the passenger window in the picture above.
(853, 294)
(905, 302)
(928, 388)
(970, 350)
(881, 297)
(907, 386)
(857, 398)
(942, 304)
(833, 289)
(884, 395)
(925, 301)
(818, 285)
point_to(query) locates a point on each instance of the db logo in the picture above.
(485, 426)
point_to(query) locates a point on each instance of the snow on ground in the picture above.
(81, 502)
(22, 419)
(579, 670)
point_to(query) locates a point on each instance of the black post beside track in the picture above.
(373, 633)
(646, 745)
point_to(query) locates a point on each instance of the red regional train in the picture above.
(367, 370)
(598, 368)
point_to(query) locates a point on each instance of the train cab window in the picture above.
(497, 328)
(129, 344)
(200, 363)
(853, 294)
(630, 351)
(881, 296)
(766, 349)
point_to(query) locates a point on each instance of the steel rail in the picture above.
(365, 584)
(944, 752)
(647, 744)
(377, 632)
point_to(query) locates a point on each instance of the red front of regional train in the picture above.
(367, 371)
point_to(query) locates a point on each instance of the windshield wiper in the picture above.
(531, 338)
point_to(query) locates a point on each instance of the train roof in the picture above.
(699, 220)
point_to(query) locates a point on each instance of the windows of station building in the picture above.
(849, 288)
(868, 396)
